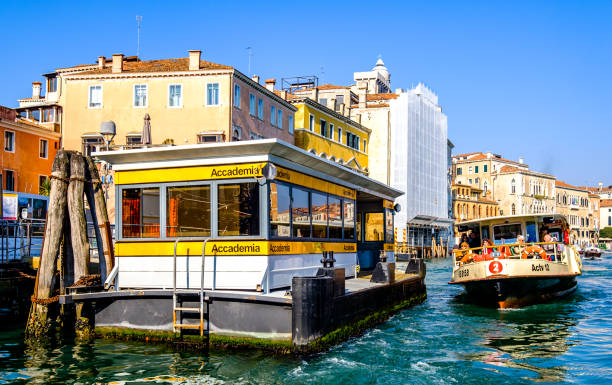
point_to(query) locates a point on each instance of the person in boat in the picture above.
(464, 239)
(466, 254)
(486, 247)
(549, 248)
(518, 249)
(473, 241)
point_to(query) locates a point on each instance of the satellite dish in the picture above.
(397, 208)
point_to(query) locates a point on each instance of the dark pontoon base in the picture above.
(315, 318)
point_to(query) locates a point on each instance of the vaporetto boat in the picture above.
(523, 261)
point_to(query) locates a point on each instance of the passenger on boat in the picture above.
(549, 248)
(464, 239)
(466, 255)
(518, 249)
(473, 242)
(487, 250)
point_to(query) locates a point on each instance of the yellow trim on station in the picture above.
(230, 247)
(387, 204)
(389, 247)
(235, 171)
(184, 174)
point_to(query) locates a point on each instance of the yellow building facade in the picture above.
(330, 135)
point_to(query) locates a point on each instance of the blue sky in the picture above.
(530, 79)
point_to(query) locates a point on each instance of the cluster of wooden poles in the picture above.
(66, 244)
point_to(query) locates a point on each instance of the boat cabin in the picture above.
(261, 212)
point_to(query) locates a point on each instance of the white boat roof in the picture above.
(262, 150)
(512, 218)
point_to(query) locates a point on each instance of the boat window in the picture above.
(335, 218)
(279, 210)
(484, 232)
(319, 215)
(300, 212)
(504, 234)
(388, 226)
(188, 211)
(374, 227)
(532, 232)
(359, 236)
(238, 209)
(140, 212)
(349, 219)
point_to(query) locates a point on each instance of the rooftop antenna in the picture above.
(138, 20)
(250, 53)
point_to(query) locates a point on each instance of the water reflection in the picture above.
(526, 339)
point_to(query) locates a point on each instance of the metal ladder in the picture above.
(177, 293)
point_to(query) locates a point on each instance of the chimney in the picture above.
(315, 94)
(284, 95)
(358, 116)
(600, 186)
(362, 100)
(36, 90)
(101, 60)
(270, 83)
(521, 160)
(255, 78)
(342, 109)
(117, 63)
(194, 59)
(489, 155)
(331, 103)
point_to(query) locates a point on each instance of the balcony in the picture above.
(331, 150)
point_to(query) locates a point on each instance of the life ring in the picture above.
(532, 251)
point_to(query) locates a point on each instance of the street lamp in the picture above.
(108, 130)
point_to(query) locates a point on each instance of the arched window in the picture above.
(564, 199)
(479, 211)
(513, 209)
(473, 211)
(487, 211)
(485, 187)
(513, 186)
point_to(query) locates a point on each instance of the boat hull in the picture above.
(519, 291)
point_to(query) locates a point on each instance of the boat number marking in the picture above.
(539, 267)
(496, 267)
(463, 273)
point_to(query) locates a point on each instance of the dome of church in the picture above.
(380, 67)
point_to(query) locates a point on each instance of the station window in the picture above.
(388, 226)
(319, 214)
(188, 211)
(238, 209)
(279, 210)
(335, 218)
(300, 212)
(359, 234)
(374, 227)
(349, 219)
(140, 212)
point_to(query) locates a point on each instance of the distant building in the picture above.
(472, 203)
(574, 203)
(188, 99)
(605, 213)
(27, 155)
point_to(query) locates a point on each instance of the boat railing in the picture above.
(552, 251)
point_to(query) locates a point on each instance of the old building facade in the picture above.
(574, 202)
(472, 203)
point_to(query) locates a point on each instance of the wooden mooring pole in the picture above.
(41, 319)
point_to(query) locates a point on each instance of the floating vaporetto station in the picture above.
(283, 234)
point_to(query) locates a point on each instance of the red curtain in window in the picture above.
(131, 217)
(172, 216)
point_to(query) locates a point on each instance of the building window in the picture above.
(513, 187)
(140, 95)
(90, 144)
(42, 180)
(9, 141)
(352, 140)
(290, 124)
(188, 211)
(339, 100)
(212, 94)
(484, 168)
(323, 101)
(280, 119)
(334, 215)
(236, 133)
(9, 180)
(300, 212)
(273, 115)
(318, 207)
(48, 115)
(458, 170)
(51, 84)
(331, 131)
(175, 96)
(140, 212)
(513, 209)
(133, 140)
(95, 96)
(470, 169)
(236, 95)
(44, 148)
(365, 145)
(260, 108)
(210, 138)
(485, 188)
(349, 219)
(609, 221)
(339, 134)
(252, 107)
(311, 123)
(238, 209)
(475, 169)
(323, 128)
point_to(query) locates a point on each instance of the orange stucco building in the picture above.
(28, 150)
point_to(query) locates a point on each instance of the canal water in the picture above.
(442, 341)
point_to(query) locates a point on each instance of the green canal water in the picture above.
(442, 341)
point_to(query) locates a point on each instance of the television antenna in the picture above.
(250, 53)
(138, 20)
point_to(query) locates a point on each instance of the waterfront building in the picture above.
(27, 155)
(521, 191)
(479, 168)
(324, 132)
(605, 213)
(189, 100)
(472, 203)
(574, 203)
